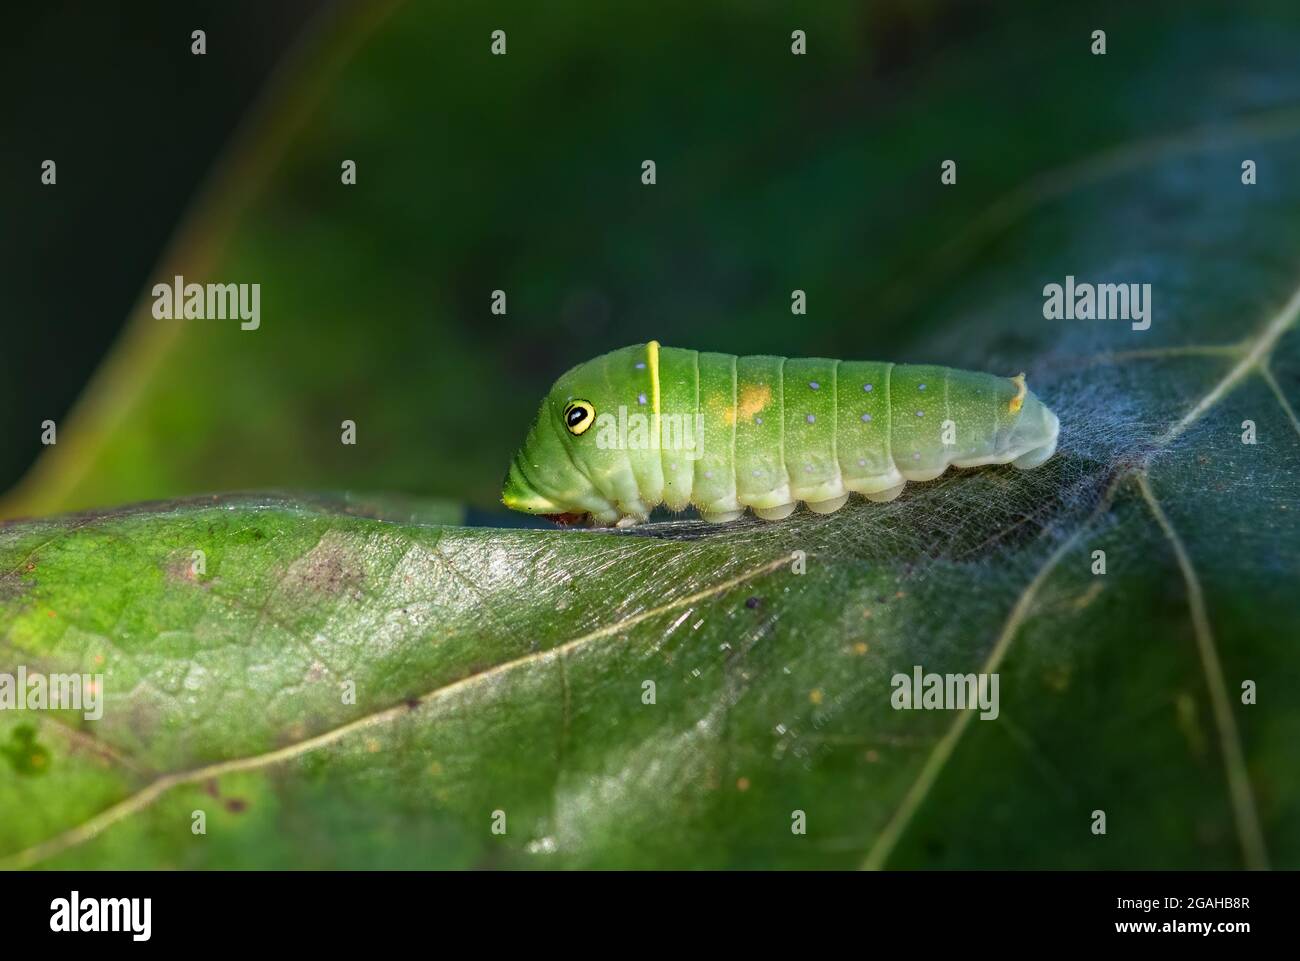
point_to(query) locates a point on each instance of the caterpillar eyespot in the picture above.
(649, 425)
(578, 416)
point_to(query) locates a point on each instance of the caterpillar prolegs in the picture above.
(649, 425)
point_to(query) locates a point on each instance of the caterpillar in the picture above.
(649, 425)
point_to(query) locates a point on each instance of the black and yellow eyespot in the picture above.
(578, 416)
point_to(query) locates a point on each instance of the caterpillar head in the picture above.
(563, 470)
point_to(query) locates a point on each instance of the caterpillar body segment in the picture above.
(648, 425)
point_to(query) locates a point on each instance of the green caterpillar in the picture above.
(649, 425)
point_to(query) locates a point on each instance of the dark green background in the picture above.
(522, 173)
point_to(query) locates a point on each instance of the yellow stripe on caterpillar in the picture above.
(652, 360)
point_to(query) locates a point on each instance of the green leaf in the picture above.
(505, 670)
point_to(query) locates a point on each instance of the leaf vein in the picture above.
(1245, 814)
(94, 826)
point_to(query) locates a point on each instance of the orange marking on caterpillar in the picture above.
(1021, 390)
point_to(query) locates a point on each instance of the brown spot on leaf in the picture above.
(316, 672)
(179, 568)
(332, 568)
(13, 586)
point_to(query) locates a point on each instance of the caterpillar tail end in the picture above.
(1039, 455)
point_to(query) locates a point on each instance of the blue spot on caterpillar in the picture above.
(649, 425)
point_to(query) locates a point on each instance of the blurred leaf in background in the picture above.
(521, 173)
(133, 122)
